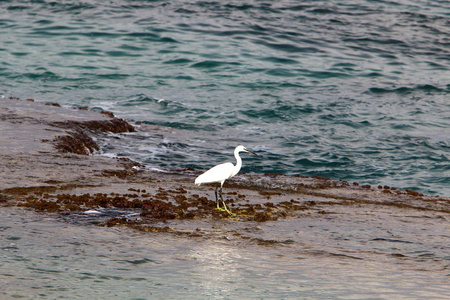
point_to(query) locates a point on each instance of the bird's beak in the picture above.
(251, 152)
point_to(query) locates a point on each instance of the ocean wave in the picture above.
(407, 90)
(354, 91)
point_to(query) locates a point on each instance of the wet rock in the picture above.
(36, 176)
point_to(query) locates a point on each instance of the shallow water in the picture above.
(353, 90)
(323, 258)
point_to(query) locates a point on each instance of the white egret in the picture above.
(222, 172)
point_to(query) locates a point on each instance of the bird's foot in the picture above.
(225, 208)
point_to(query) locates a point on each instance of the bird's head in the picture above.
(241, 148)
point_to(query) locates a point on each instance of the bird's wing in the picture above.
(218, 173)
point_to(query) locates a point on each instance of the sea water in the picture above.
(352, 90)
(368, 255)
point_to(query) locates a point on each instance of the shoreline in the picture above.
(47, 156)
(81, 224)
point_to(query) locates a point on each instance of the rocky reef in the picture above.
(48, 165)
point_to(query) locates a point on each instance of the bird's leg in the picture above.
(221, 198)
(225, 208)
(217, 199)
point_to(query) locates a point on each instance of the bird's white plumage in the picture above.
(218, 173)
(222, 172)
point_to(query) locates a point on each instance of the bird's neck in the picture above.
(238, 165)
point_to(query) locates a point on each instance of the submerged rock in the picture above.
(47, 165)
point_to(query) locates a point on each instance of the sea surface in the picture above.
(346, 89)
(370, 255)
(351, 90)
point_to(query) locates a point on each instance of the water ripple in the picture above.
(363, 80)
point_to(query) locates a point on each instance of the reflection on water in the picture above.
(217, 267)
(47, 258)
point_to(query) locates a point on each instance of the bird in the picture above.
(222, 172)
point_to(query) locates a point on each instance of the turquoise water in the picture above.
(353, 90)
